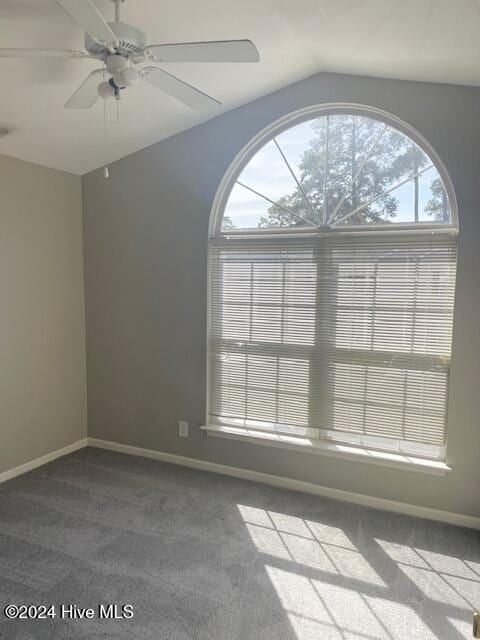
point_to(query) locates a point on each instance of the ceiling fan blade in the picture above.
(87, 93)
(86, 14)
(221, 51)
(43, 53)
(193, 98)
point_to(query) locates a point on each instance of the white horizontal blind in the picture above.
(338, 336)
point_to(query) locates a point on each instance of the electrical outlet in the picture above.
(183, 429)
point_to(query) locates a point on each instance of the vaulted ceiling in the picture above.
(431, 40)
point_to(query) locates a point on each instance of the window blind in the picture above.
(346, 337)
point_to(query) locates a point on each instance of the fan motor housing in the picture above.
(132, 41)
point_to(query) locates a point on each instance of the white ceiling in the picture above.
(433, 40)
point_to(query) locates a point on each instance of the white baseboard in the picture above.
(256, 476)
(38, 462)
(296, 485)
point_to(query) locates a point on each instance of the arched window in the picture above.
(332, 276)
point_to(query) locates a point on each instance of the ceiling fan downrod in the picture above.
(117, 10)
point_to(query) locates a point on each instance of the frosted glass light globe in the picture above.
(105, 90)
(126, 77)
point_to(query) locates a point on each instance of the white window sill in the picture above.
(322, 447)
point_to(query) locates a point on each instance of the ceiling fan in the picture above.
(122, 48)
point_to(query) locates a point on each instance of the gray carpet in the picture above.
(206, 557)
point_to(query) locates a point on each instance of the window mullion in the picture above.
(318, 409)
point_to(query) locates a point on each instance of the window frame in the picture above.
(394, 456)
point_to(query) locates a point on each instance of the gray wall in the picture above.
(42, 315)
(145, 238)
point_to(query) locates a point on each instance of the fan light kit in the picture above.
(127, 59)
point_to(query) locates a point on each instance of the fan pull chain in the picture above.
(105, 166)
